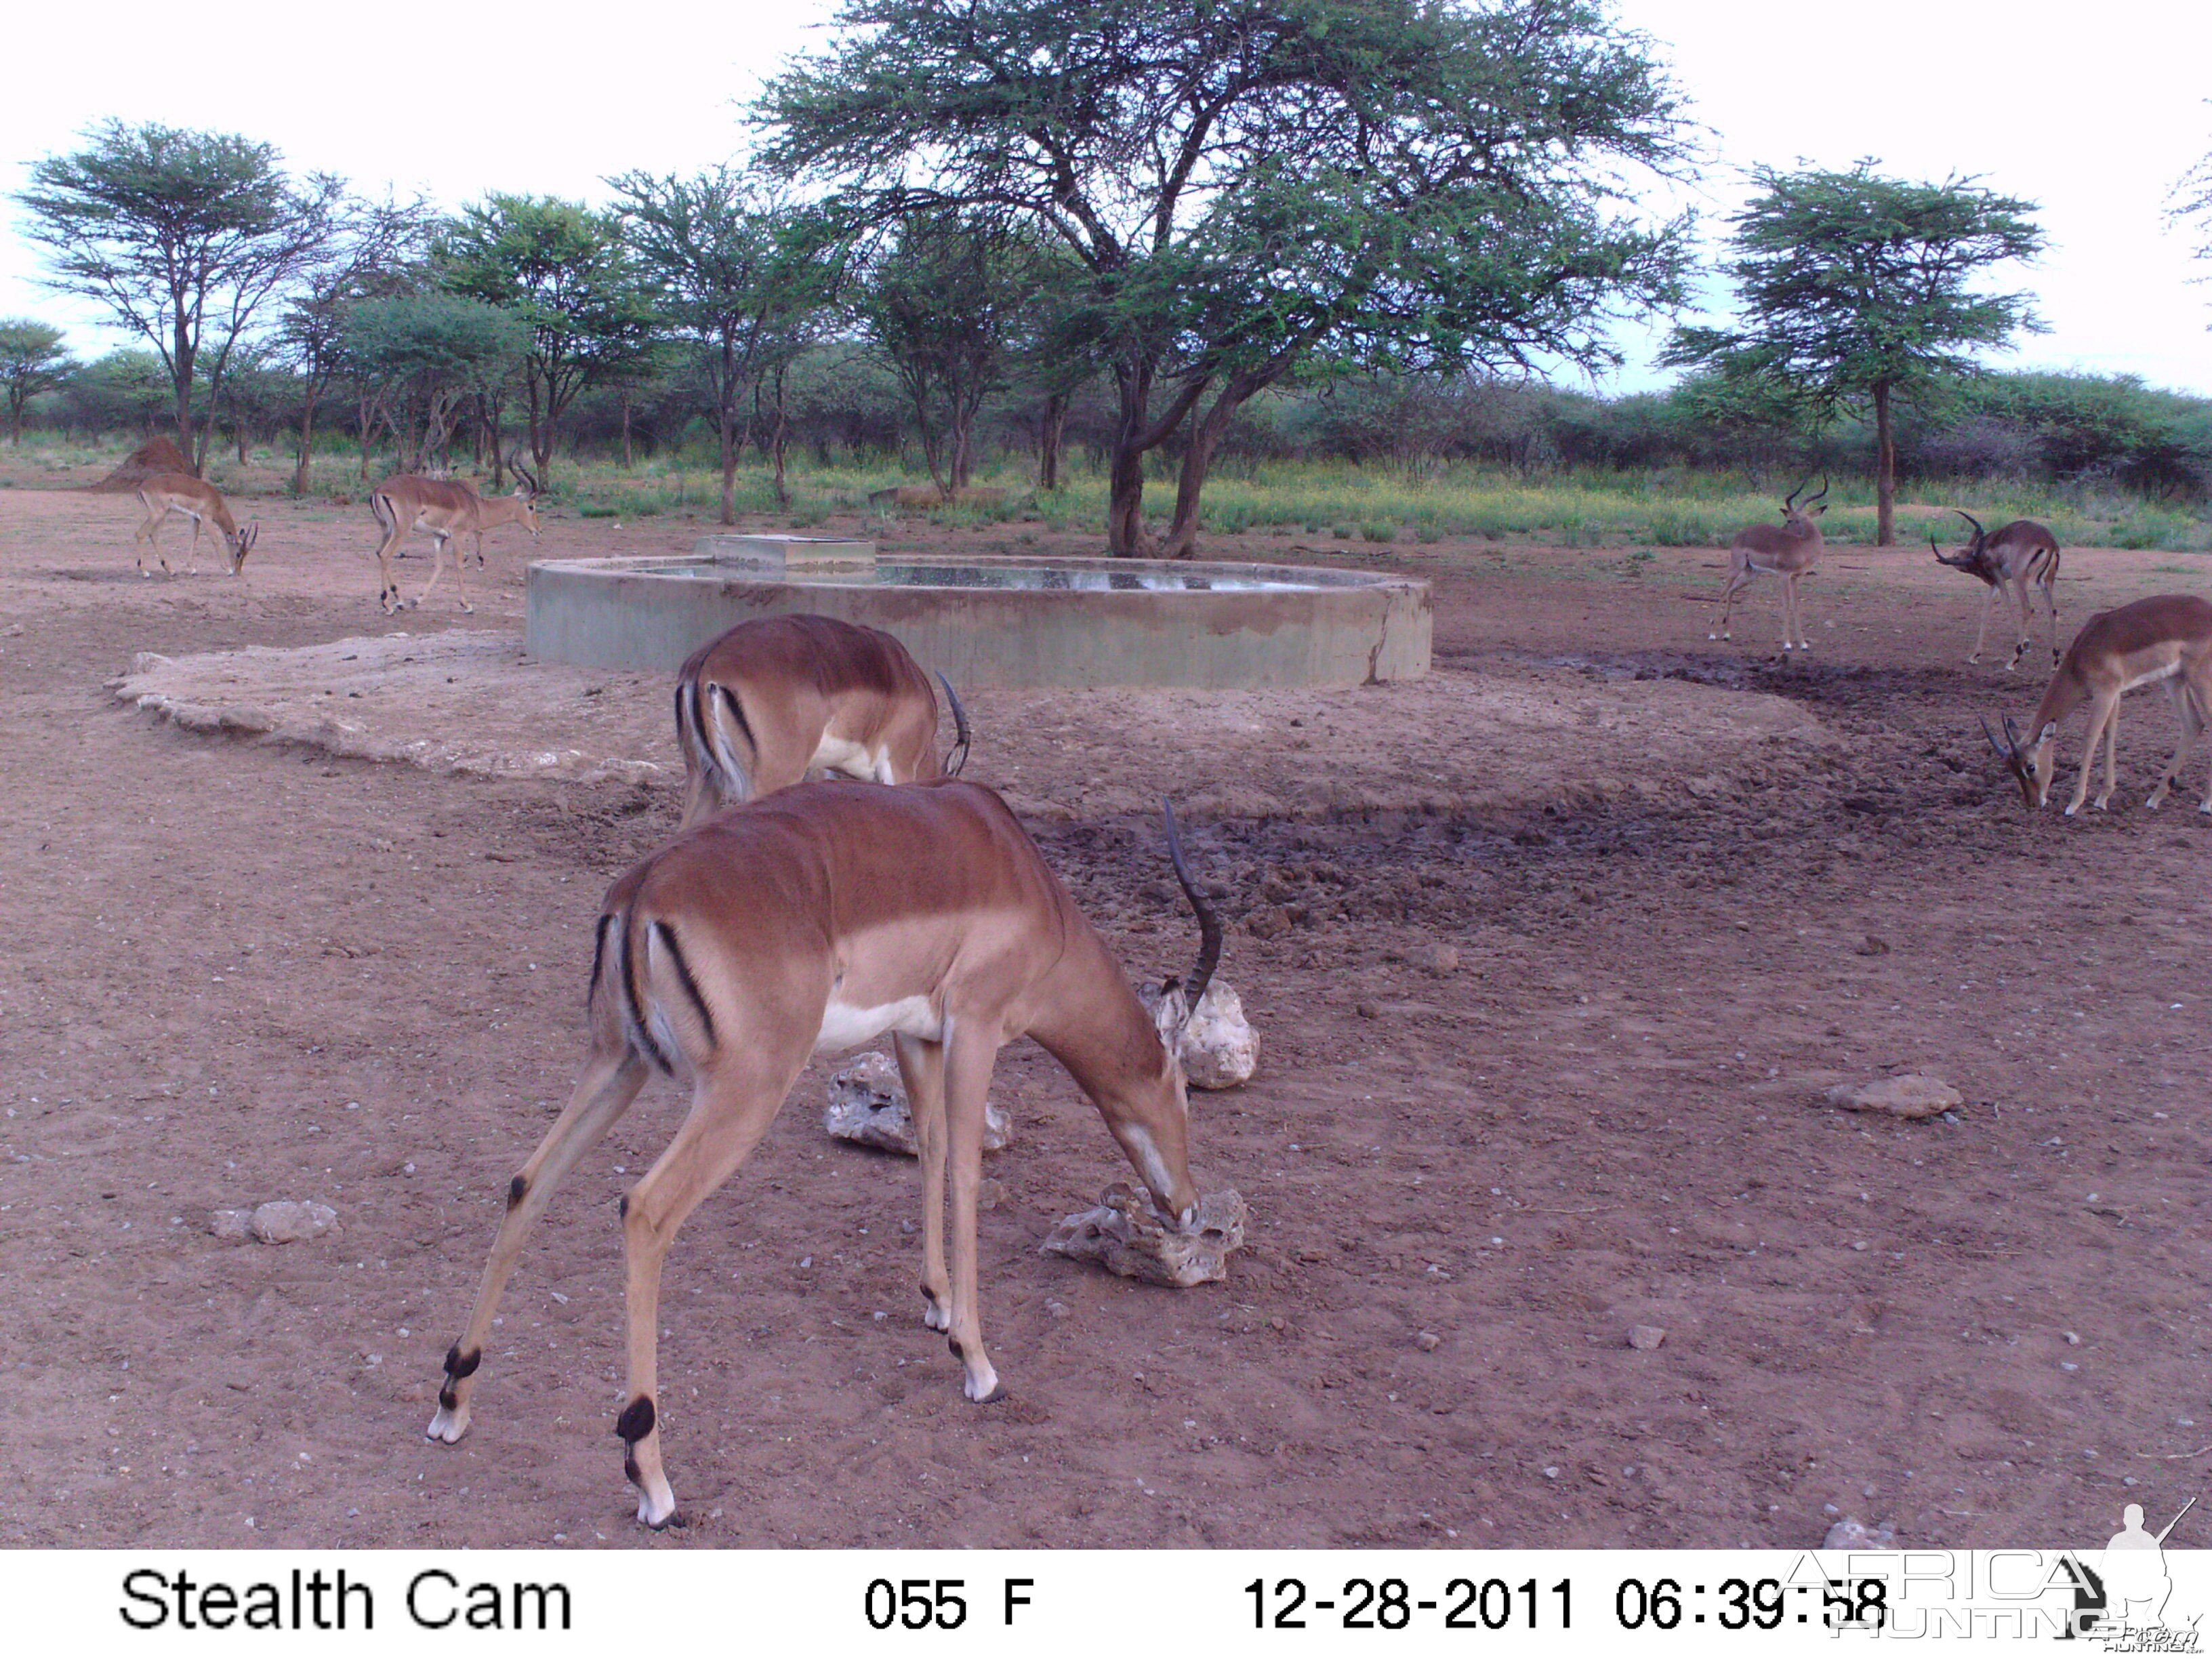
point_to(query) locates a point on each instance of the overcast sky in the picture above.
(2091, 111)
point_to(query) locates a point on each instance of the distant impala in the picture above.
(443, 509)
(1789, 549)
(179, 492)
(2014, 556)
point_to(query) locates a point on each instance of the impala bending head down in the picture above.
(814, 920)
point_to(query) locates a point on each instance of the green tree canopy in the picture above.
(33, 360)
(1249, 183)
(944, 302)
(741, 274)
(1856, 291)
(183, 236)
(562, 270)
(425, 355)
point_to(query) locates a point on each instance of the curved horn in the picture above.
(1978, 532)
(1809, 500)
(1790, 500)
(1209, 925)
(2003, 753)
(958, 756)
(2011, 734)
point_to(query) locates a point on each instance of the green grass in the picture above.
(1312, 500)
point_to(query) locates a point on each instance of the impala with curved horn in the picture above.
(2010, 559)
(813, 920)
(778, 696)
(1789, 549)
(2166, 640)
(443, 509)
(179, 492)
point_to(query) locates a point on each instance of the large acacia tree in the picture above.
(741, 275)
(33, 360)
(564, 271)
(1247, 183)
(1859, 292)
(183, 237)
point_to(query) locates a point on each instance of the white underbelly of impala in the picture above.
(844, 1026)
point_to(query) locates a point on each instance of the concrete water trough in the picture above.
(997, 621)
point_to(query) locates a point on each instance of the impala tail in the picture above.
(644, 998)
(719, 750)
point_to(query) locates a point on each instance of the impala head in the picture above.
(241, 545)
(1800, 515)
(2032, 768)
(527, 489)
(1968, 557)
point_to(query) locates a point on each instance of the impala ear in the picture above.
(2049, 731)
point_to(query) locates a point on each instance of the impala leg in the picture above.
(1798, 610)
(2051, 598)
(2027, 623)
(921, 1067)
(2099, 710)
(609, 1083)
(2184, 707)
(2112, 755)
(148, 532)
(1981, 633)
(438, 540)
(192, 553)
(387, 591)
(730, 1109)
(1737, 578)
(969, 1061)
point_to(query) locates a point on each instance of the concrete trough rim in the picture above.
(1326, 627)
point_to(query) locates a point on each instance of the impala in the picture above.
(179, 492)
(443, 509)
(2011, 558)
(2166, 640)
(1789, 549)
(774, 697)
(813, 921)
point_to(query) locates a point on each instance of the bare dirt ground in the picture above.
(1689, 886)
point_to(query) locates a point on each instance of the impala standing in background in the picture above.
(776, 697)
(443, 509)
(2166, 640)
(1789, 549)
(2011, 558)
(812, 922)
(179, 492)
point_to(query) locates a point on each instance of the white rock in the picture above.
(1852, 1535)
(231, 1224)
(1645, 1338)
(289, 1221)
(1123, 1236)
(868, 1106)
(1219, 1048)
(1911, 1096)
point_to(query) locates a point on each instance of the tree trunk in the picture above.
(245, 434)
(780, 437)
(1884, 471)
(365, 408)
(1205, 438)
(629, 461)
(728, 419)
(306, 445)
(1050, 429)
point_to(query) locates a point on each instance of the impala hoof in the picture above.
(449, 1424)
(668, 1517)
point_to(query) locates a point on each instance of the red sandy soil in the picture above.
(241, 970)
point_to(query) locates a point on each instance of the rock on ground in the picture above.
(1219, 1048)
(280, 1221)
(1852, 1535)
(1912, 1096)
(1645, 1338)
(1123, 1236)
(868, 1106)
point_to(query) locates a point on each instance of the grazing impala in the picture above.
(179, 492)
(2011, 558)
(815, 920)
(774, 698)
(1789, 549)
(443, 509)
(2166, 640)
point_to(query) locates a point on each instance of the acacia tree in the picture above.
(1859, 292)
(1248, 182)
(562, 270)
(375, 253)
(944, 304)
(33, 360)
(742, 275)
(183, 236)
(424, 357)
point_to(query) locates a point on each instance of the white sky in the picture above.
(2093, 111)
